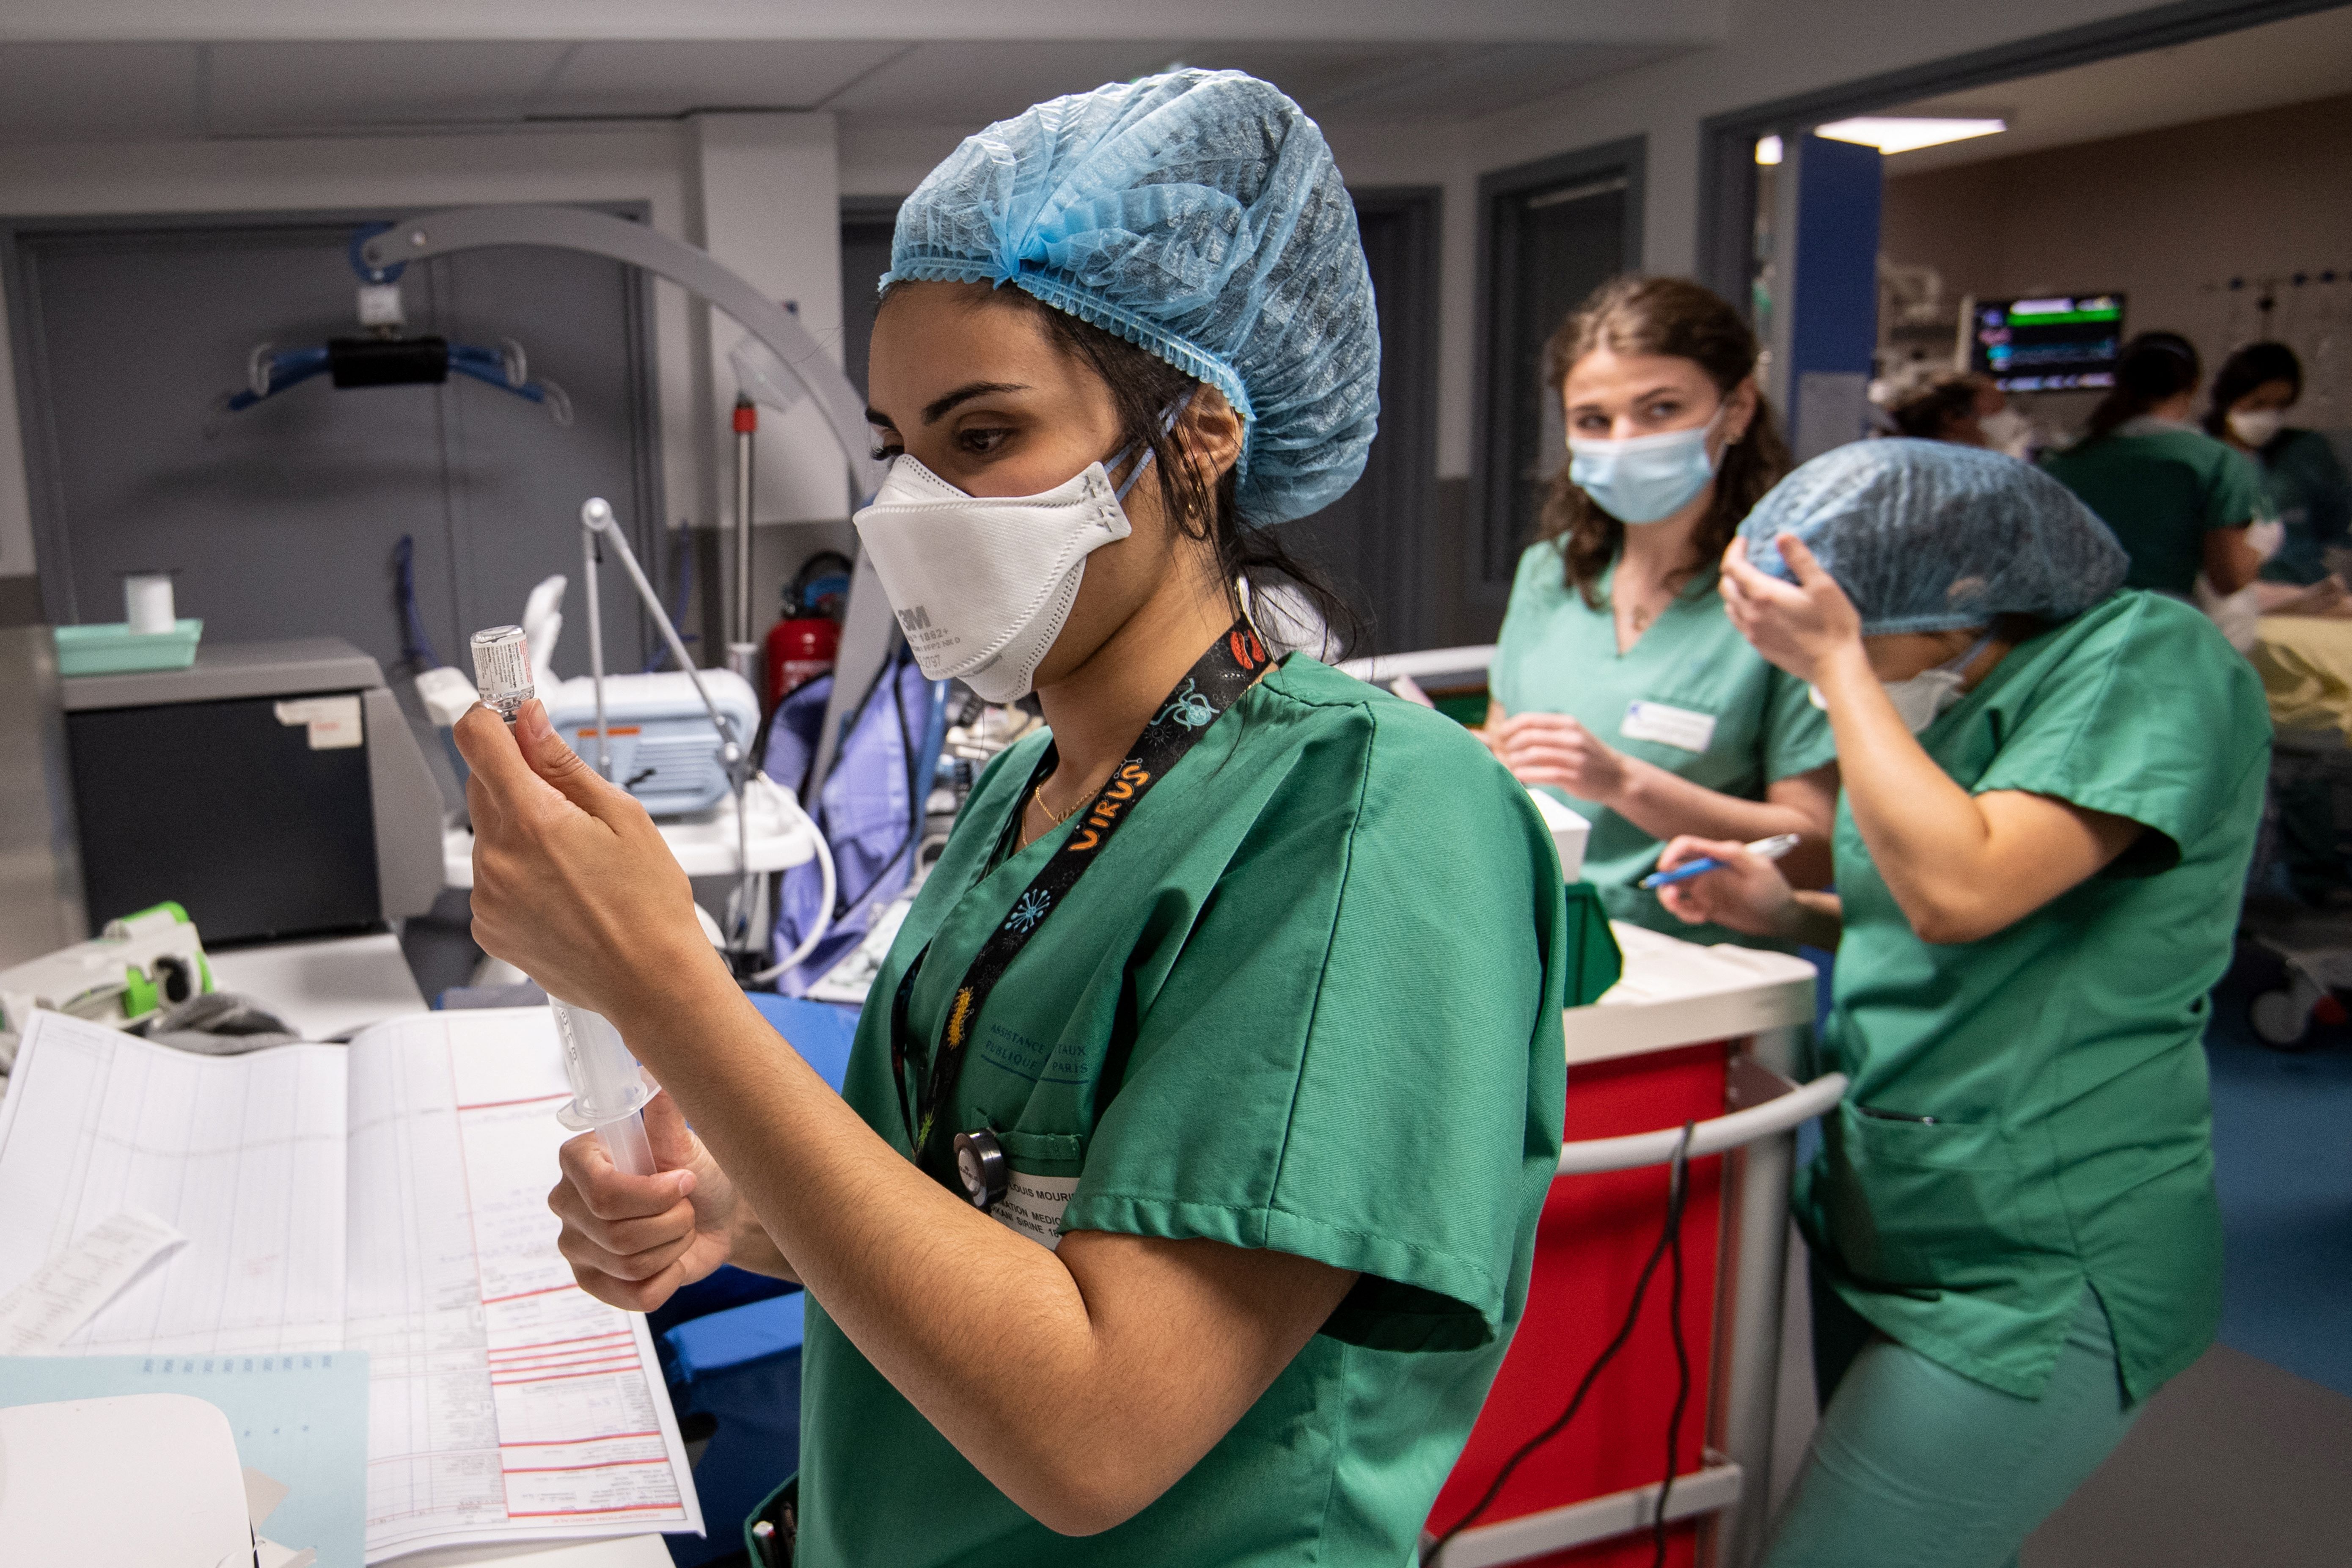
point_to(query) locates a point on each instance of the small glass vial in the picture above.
(502, 669)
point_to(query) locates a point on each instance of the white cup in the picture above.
(147, 602)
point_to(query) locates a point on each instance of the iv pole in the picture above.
(868, 629)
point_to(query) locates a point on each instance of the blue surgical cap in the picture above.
(1199, 216)
(1927, 536)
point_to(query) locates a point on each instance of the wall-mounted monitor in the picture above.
(2057, 342)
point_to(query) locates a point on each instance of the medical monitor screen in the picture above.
(2056, 343)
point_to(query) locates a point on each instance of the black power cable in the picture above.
(1669, 1242)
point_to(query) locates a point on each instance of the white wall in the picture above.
(1774, 49)
(760, 191)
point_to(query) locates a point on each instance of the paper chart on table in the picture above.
(505, 1402)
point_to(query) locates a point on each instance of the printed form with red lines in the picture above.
(388, 1196)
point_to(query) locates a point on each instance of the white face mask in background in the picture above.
(2256, 428)
(983, 584)
(1920, 701)
(1645, 478)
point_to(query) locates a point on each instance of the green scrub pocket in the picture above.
(1919, 1207)
(781, 1509)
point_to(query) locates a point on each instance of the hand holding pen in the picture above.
(1771, 848)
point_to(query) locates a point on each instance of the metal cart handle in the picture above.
(1710, 1137)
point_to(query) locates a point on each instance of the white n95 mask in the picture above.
(2257, 426)
(1921, 699)
(983, 584)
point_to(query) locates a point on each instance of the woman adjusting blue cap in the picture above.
(1199, 216)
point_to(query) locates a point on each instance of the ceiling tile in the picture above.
(976, 83)
(666, 79)
(74, 92)
(295, 87)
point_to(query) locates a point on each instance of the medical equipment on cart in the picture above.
(658, 735)
(133, 967)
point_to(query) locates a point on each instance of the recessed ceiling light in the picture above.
(1907, 133)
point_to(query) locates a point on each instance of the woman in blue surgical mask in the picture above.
(1617, 683)
(2051, 789)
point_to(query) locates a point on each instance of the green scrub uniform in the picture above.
(1309, 999)
(2309, 493)
(1704, 706)
(2162, 487)
(2028, 1113)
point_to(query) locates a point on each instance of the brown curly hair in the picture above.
(1636, 315)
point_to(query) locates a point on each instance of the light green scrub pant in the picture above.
(1916, 1465)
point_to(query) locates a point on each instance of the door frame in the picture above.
(1406, 519)
(1727, 181)
(1489, 562)
(44, 481)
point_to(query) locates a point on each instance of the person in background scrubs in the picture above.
(2052, 786)
(2180, 502)
(1617, 682)
(2305, 482)
(1180, 1199)
(1965, 409)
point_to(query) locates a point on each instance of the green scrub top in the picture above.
(1308, 999)
(2161, 487)
(2309, 493)
(2060, 1059)
(1713, 712)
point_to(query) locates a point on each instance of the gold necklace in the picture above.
(1038, 794)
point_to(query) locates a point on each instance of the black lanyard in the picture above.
(1214, 684)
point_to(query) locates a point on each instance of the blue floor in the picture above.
(2283, 1162)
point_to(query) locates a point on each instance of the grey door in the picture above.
(1374, 542)
(282, 520)
(1554, 232)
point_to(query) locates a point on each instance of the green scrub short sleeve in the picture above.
(2103, 733)
(1348, 1062)
(2237, 497)
(1797, 737)
(1536, 588)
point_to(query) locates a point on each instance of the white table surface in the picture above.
(322, 987)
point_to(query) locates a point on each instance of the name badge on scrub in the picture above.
(1033, 1205)
(1676, 727)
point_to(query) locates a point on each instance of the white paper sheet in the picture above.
(67, 1291)
(389, 1197)
(244, 1155)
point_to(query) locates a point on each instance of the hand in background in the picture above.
(1747, 893)
(1554, 749)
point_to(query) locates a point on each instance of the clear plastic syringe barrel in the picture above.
(502, 669)
(606, 1087)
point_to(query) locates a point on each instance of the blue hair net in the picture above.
(1199, 216)
(1927, 536)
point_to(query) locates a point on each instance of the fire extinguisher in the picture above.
(803, 645)
(799, 650)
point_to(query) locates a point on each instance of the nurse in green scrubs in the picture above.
(2179, 502)
(2051, 793)
(2302, 476)
(1617, 682)
(1180, 1204)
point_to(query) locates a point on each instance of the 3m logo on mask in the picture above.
(918, 619)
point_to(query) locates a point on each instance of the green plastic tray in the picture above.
(116, 650)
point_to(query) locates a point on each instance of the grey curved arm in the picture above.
(869, 632)
(599, 234)
(1777, 1115)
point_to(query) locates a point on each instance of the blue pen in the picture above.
(1770, 849)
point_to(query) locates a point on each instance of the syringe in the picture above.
(607, 1088)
